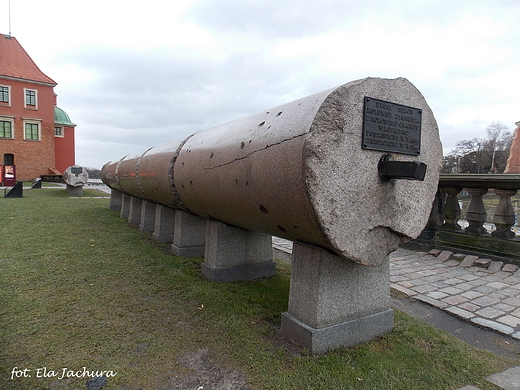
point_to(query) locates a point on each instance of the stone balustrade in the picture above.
(482, 229)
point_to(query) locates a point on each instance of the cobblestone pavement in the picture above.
(479, 290)
(484, 292)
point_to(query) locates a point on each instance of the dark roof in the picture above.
(16, 63)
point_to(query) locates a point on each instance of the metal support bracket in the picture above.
(409, 170)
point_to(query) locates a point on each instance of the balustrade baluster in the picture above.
(476, 214)
(451, 209)
(504, 217)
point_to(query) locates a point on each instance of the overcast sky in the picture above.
(136, 74)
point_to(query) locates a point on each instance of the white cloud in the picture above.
(136, 75)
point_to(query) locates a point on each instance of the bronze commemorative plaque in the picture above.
(391, 127)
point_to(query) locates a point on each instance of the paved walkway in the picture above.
(479, 290)
(476, 289)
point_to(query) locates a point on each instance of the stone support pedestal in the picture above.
(116, 198)
(334, 302)
(134, 211)
(74, 191)
(234, 254)
(164, 222)
(189, 235)
(125, 206)
(147, 223)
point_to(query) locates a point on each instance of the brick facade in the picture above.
(47, 154)
(513, 162)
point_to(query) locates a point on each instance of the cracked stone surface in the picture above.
(299, 171)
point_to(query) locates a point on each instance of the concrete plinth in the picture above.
(74, 191)
(147, 223)
(116, 198)
(125, 206)
(189, 235)
(234, 254)
(164, 223)
(335, 302)
(134, 211)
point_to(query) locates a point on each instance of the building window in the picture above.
(58, 131)
(31, 98)
(8, 159)
(5, 94)
(6, 129)
(32, 131)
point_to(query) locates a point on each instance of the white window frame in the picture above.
(8, 103)
(28, 106)
(62, 131)
(8, 119)
(34, 122)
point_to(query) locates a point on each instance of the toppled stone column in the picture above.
(301, 171)
(75, 177)
(349, 174)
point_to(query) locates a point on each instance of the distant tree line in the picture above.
(93, 173)
(481, 155)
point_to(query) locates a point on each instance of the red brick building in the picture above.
(36, 136)
(513, 162)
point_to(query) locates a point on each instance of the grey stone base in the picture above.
(162, 237)
(145, 228)
(243, 272)
(345, 334)
(116, 198)
(134, 211)
(188, 251)
(125, 206)
(75, 191)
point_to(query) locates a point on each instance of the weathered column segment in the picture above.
(75, 177)
(299, 171)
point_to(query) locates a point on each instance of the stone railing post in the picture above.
(504, 217)
(451, 209)
(476, 214)
(436, 215)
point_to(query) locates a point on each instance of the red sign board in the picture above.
(9, 175)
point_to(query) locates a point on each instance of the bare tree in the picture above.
(94, 173)
(480, 155)
(497, 140)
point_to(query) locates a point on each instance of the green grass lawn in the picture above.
(80, 287)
